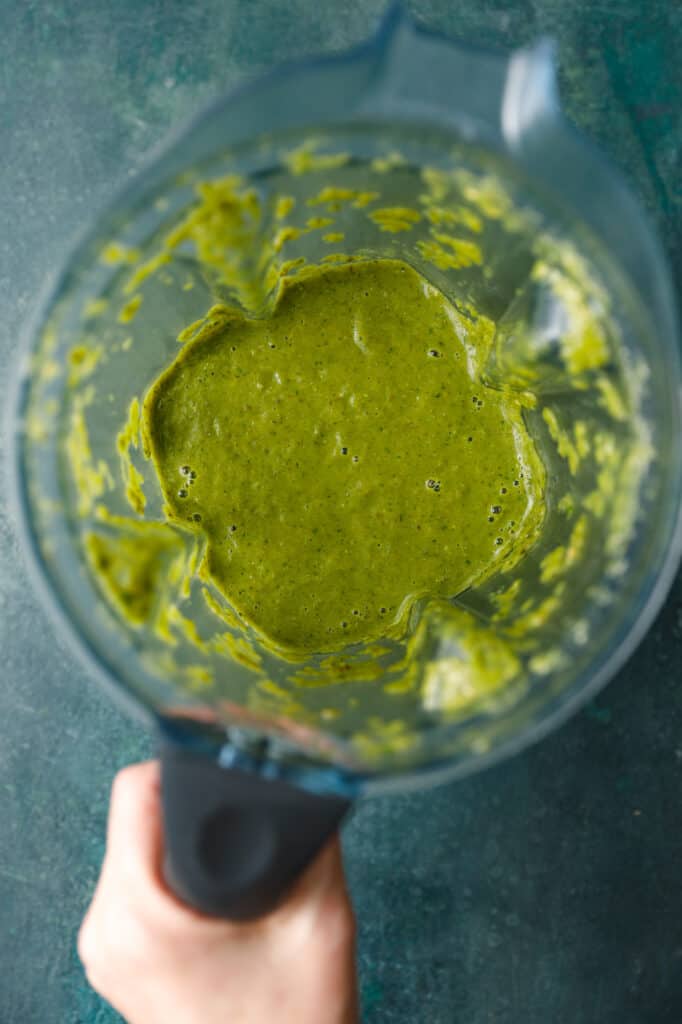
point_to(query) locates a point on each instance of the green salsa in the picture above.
(341, 456)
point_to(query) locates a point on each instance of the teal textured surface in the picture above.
(546, 889)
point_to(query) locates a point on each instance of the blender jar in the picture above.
(459, 163)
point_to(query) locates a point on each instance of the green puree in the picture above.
(341, 456)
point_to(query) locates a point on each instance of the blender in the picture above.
(459, 163)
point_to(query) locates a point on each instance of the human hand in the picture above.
(158, 961)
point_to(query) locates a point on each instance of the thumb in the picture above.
(135, 831)
(322, 884)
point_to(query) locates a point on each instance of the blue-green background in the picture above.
(549, 889)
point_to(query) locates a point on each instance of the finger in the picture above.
(320, 900)
(322, 879)
(135, 847)
(135, 831)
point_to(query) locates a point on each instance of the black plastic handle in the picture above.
(234, 841)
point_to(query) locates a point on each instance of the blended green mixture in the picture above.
(341, 456)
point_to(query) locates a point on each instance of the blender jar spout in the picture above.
(510, 103)
(487, 97)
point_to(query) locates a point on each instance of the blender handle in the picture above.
(235, 841)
